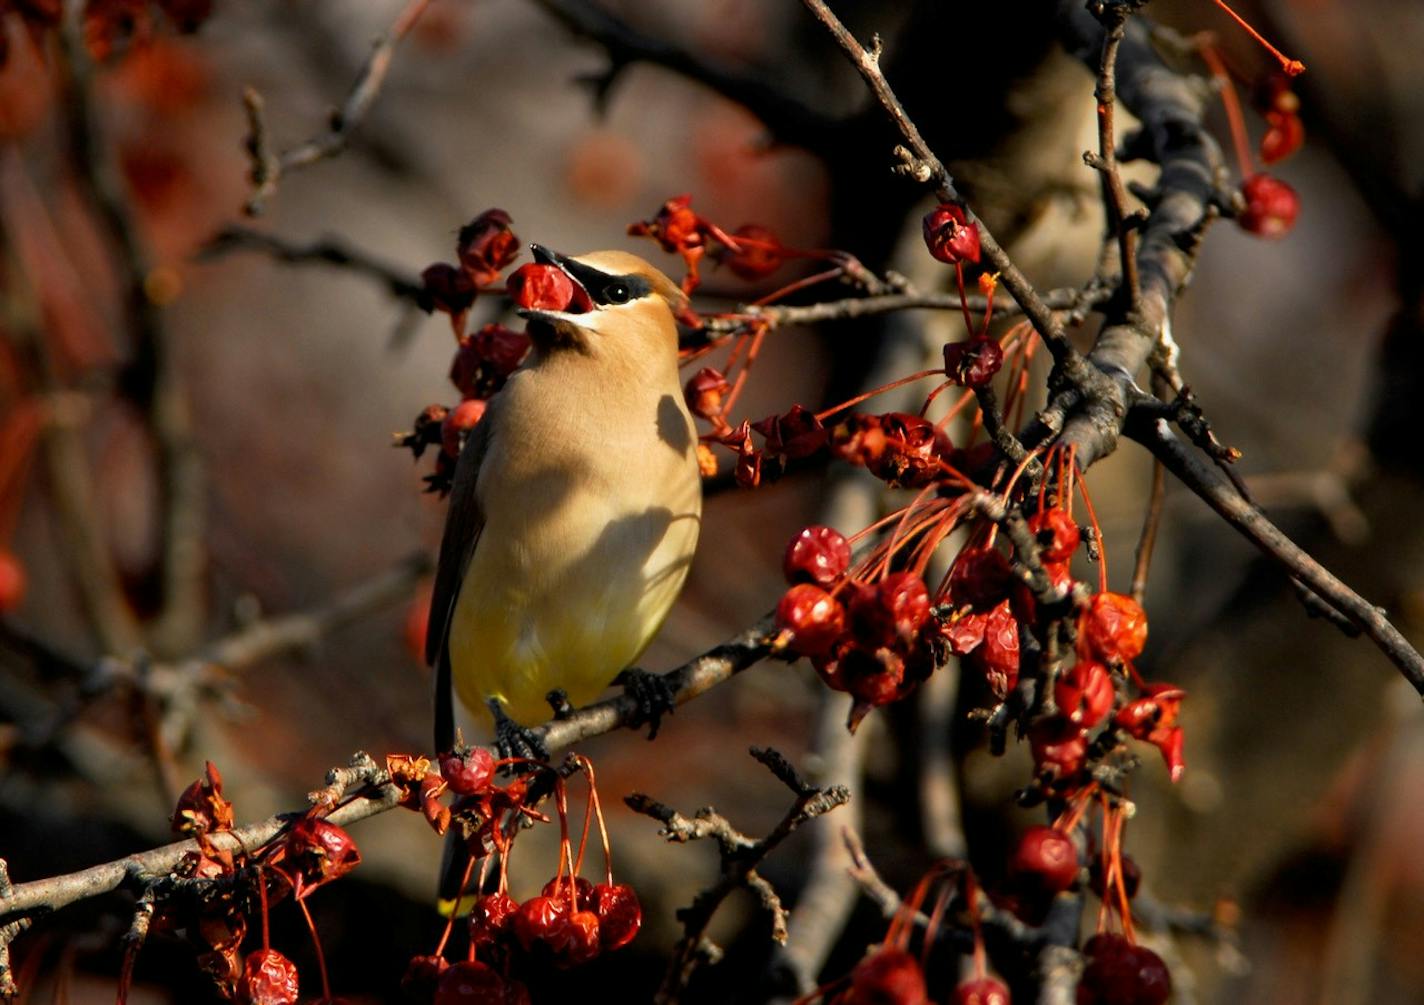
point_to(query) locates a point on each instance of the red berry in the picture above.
(446, 288)
(464, 417)
(982, 991)
(704, 392)
(619, 914)
(1058, 746)
(1058, 536)
(540, 287)
(998, 655)
(1283, 138)
(486, 245)
(1045, 860)
(893, 610)
(949, 236)
(887, 977)
(1084, 693)
(760, 253)
(874, 677)
(467, 771)
(538, 919)
(268, 978)
(315, 852)
(582, 933)
(981, 578)
(12, 581)
(475, 983)
(422, 977)
(914, 451)
(484, 360)
(794, 435)
(561, 888)
(1113, 627)
(491, 917)
(816, 554)
(814, 618)
(676, 226)
(972, 363)
(1271, 206)
(1120, 973)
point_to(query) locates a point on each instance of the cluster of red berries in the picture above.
(483, 359)
(570, 922)
(751, 251)
(867, 638)
(108, 24)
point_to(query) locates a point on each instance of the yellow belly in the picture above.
(565, 598)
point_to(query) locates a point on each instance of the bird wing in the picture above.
(463, 524)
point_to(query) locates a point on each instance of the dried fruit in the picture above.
(888, 976)
(1058, 746)
(705, 391)
(1153, 718)
(974, 362)
(814, 619)
(795, 435)
(491, 917)
(949, 236)
(619, 914)
(475, 983)
(998, 655)
(759, 253)
(467, 770)
(268, 978)
(1057, 534)
(981, 578)
(201, 808)
(1271, 206)
(486, 245)
(817, 554)
(1084, 693)
(1045, 861)
(539, 920)
(540, 287)
(315, 852)
(894, 610)
(484, 360)
(447, 289)
(1113, 627)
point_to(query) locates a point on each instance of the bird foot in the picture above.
(558, 700)
(654, 695)
(513, 740)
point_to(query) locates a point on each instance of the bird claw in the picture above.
(513, 740)
(654, 696)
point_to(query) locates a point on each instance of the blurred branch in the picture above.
(789, 120)
(269, 168)
(323, 251)
(740, 856)
(151, 378)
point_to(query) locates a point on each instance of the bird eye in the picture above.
(616, 293)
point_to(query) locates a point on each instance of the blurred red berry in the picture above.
(887, 976)
(268, 978)
(1058, 746)
(1285, 134)
(974, 362)
(949, 236)
(1153, 718)
(1120, 973)
(486, 245)
(814, 618)
(817, 554)
(705, 391)
(1057, 534)
(1084, 693)
(475, 983)
(859, 439)
(463, 418)
(676, 227)
(1045, 861)
(1113, 627)
(447, 289)
(484, 360)
(1271, 206)
(982, 991)
(540, 287)
(468, 771)
(619, 914)
(422, 977)
(1097, 877)
(760, 253)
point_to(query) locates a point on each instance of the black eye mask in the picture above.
(602, 288)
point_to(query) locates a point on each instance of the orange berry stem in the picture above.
(1290, 67)
(450, 921)
(1097, 531)
(1232, 103)
(321, 956)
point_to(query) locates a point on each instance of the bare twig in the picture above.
(740, 857)
(1150, 524)
(1114, 19)
(323, 251)
(268, 169)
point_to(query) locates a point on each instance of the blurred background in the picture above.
(276, 388)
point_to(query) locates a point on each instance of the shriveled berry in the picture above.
(1057, 533)
(981, 578)
(1058, 746)
(814, 618)
(795, 435)
(475, 983)
(619, 914)
(268, 978)
(1113, 627)
(974, 362)
(459, 421)
(817, 554)
(859, 439)
(1271, 206)
(562, 889)
(675, 226)
(1084, 693)
(1284, 136)
(467, 771)
(759, 253)
(537, 920)
(540, 287)
(982, 991)
(12, 581)
(873, 676)
(705, 391)
(445, 288)
(491, 917)
(315, 852)
(892, 611)
(888, 976)
(486, 245)
(582, 933)
(484, 360)
(1045, 861)
(949, 236)
(998, 655)
(914, 451)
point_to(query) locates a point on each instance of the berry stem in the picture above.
(1097, 531)
(262, 898)
(964, 299)
(1232, 103)
(852, 402)
(1290, 67)
(321, 956)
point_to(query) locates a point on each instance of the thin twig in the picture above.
(268, 169)
(1150, 525)
(323, 251)
(1114, 19)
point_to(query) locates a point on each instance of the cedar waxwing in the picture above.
(575, 506)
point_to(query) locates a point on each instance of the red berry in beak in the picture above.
(540, 287)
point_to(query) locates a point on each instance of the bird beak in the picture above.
(582, 303)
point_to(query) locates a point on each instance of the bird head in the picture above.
(621, 305)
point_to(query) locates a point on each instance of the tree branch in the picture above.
(323, 251)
